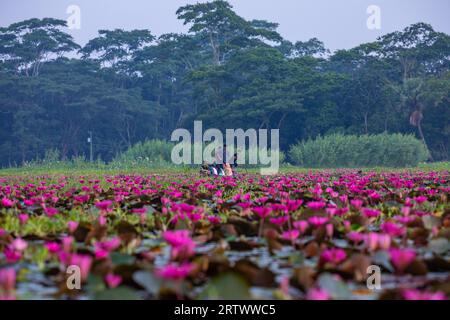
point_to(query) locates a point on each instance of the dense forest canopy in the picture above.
(128, 86)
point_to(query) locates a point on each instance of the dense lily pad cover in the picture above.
(292, 236)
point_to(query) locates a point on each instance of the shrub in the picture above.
(150, 153)
(337, 150)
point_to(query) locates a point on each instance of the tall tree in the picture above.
(223, 29)
(116, 48)
(26, 45)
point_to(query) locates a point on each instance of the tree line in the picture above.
(131, 86)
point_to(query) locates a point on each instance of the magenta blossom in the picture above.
(316, 205)
(53, 247)
(317, 221)
(279, 221)
(214, 219)
(110, 245)
(7, 202)
(370, 213)
(84, 262)
(357, 203)
(182, 244)
(301, 225)
(262, 212)
(334, 255)
(376, 241)
(50, 212)
(412, 294)
(402, 258)
(72, 226)
(23, 218)
(290, 235)
(19, 245)
(420, 199)
(100, 253)
(174, 271)
(67, 243)
(28, 202)
(7, 283)
(393, 229)
(329, 228)
(355, 237)
(113, 280)
(11, 255)
(318, 294)
(104, 205)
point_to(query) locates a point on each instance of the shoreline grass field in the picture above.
(88, 169)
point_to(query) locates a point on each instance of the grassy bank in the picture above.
(95, 169)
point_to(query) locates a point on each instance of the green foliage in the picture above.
(52, 160)
(151, 153)
(337, 150)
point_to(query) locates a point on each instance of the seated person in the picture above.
(204, 169)
(228, 170)
(234, 164)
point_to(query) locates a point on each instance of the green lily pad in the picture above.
(119, 293)
(227, 286)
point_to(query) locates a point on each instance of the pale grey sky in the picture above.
(338, 23)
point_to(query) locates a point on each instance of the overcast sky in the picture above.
(338, 23)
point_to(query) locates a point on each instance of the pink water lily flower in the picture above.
(84, 262)
(7, 202)
(370, 213)
(102, 220)
(374, 195)
(28, 202)
(100, 253)
(357, 203)
(279, 221)
(111, 244)
(316, 205)
(53, 247)
(50, 212)
(384, 241)
(301, 225)
(420, 199)
(23, 218)
(104, 205)
(182, 245)
(11, 255)
(412, 294)
(214, 219)
(334, 255)
(393, 229)
(376, 241)
(355, 237)
(262, 212)
(81, 199)
(317, 221)
(72, 226)
(113, 280)
(317, 294)
(67, 243)
(174, 271)
(290, 235)
(19, 245)
(402, 258)
(7, 283)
